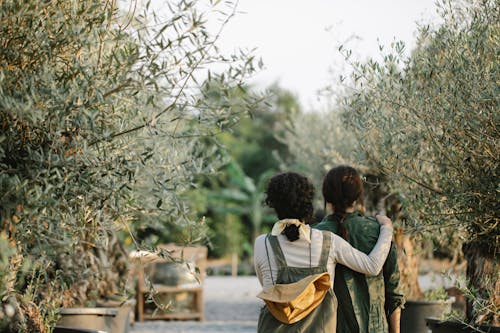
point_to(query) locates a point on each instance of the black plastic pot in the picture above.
(415, 312)
(447, 326)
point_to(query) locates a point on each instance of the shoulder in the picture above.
(318, 236)
(260, 244)
(319, 233)
(259, 251)
(326, 224)
(359, 221)
(260, 239)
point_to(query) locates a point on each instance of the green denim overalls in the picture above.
(321, 319)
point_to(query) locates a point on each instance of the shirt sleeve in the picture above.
(356, 260)
(257, 260)
(265, 266)
(394, 297)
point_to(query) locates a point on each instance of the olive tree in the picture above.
(430, 123)
(100, 114)
(318, 141)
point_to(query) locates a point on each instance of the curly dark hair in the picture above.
(291, 195)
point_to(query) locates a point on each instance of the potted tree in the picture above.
(429, 122)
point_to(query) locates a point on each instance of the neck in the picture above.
(350, 209)
(290, 219)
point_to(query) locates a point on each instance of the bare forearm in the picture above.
(394, 321)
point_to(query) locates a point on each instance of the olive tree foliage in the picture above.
(319, 141)
(430, 123)
(100, 114)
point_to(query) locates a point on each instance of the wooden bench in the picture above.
(181, 258)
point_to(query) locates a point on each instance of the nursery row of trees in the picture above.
(104, 123)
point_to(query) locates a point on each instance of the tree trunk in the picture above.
(483, 275)
(408, 265)
(407, 258)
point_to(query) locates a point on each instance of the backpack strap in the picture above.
(278, 253)
(325, 248)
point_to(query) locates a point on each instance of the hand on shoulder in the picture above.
(384, 220)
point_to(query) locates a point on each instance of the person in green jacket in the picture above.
(365, 304)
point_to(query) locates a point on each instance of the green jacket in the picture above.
(364, 302)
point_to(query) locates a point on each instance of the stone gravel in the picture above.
(231, 305)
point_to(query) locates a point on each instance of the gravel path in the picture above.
(230, 306)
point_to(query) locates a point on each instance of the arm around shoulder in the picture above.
(356, 260)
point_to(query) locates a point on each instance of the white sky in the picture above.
(298, 40)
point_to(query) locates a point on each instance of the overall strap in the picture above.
(325, 248)
(278, 253)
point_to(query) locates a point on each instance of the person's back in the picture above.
(287, 255)
(365, 303)
(277, 250)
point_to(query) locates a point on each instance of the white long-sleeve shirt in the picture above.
(297, 254)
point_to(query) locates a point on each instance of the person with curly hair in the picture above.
(295, 264)
(366, 304)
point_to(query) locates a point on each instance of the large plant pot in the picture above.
(88, 318)
(415, 312)
(125, 316)
(447, 326)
